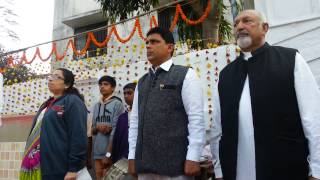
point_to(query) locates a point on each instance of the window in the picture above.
(80, 40)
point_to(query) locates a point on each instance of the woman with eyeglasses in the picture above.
(56, 148)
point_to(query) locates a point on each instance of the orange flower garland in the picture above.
(138, 25)
(153, 21)
(180, 12)
(131, 34)
(175, 19)
(46, 59)
(103, 43)
(92, 38)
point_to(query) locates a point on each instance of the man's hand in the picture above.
(70, 176)
(107, 129)
(104, 129)
(132, 168)
(107, 162)
(191, 168)
(99, 128)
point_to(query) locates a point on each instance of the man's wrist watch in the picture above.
(108, 154)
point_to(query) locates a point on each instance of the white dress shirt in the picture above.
(192, 98)
(308, 97)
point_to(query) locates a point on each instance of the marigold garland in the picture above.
(153, 21)
(44, 59)
(91, 38)
(103, 43)
(131, 34)
(180, 12)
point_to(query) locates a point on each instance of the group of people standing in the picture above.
(110, 125)
(60, 127)
(266, 118)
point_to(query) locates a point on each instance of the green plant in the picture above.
(17, 74)
(193, 33)
(115, 9)
(225, 29)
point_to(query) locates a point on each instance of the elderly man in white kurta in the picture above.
(267, 111)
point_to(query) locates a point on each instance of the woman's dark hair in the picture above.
(69, 80)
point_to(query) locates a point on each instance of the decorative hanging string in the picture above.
(179, 12)
(91, 38)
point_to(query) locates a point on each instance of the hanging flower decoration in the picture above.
(92, 39)
(24, 98)
(179, 12)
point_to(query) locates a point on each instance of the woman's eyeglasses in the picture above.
(54, 77)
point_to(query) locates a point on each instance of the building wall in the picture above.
(74, 8)
(60, 30)
(296, 24)
(70, 14)
(13, 133)
(10, 159)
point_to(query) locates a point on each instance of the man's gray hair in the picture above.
(260, 15)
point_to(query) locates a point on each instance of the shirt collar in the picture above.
(165, 66)
(246, 55)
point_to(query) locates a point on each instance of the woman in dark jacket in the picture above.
(57, 145)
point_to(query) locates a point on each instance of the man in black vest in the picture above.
(267, 115)
(167, 132)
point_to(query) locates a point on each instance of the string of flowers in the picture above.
(153, 21)
(179, 12)
(91, 38)
(103, 43)
(136, 25)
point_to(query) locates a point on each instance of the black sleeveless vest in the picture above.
(281, 148)
(163, 123)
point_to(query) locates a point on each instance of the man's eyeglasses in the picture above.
(54, 77)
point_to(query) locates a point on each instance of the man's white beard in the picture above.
(244, 42)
